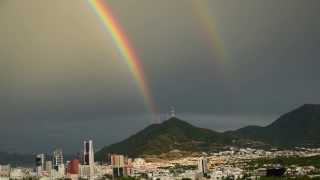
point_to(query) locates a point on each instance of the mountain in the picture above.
(300, 127)
(169, 135)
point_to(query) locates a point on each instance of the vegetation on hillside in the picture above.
(289, 161)
(300, 127)
(171, 134)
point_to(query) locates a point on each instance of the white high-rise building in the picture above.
(58, 166)
(203, 166)
(88, 156)
(40, 159)
(57, 159)
(88, 153)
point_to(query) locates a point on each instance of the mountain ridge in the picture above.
(299, 127)
(157, 138)
(169, 135)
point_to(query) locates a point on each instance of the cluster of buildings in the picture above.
(55, 167)
(232, 164)
(83, 166)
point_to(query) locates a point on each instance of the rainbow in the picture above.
(127, 51)
(208, 24)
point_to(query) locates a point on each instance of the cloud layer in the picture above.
(62, 78)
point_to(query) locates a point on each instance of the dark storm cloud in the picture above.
(61, 71)
(271, 50)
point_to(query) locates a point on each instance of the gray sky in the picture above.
(62, 79)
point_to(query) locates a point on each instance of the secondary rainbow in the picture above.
(209, 27)
(126, 49)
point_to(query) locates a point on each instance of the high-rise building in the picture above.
(73, 166)
(57, 159)
(119, 163)
(88, 156)
(203, 166)
(58, 164)
(48, 167)
(40, 159)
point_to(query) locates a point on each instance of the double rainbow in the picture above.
(127, 51)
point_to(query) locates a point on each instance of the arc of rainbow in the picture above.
(126, 49)
(208, 24)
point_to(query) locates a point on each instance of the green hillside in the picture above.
(300, 127)
(169, 135)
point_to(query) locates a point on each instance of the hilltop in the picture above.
(173, 134)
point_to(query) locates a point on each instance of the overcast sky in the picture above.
(62, 79)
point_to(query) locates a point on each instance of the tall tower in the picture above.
(58, 164)
(203, 166)
(40, 159)
(57, 159)
(88, 156)
(172, 112)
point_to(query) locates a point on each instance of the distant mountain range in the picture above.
(300, 127)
